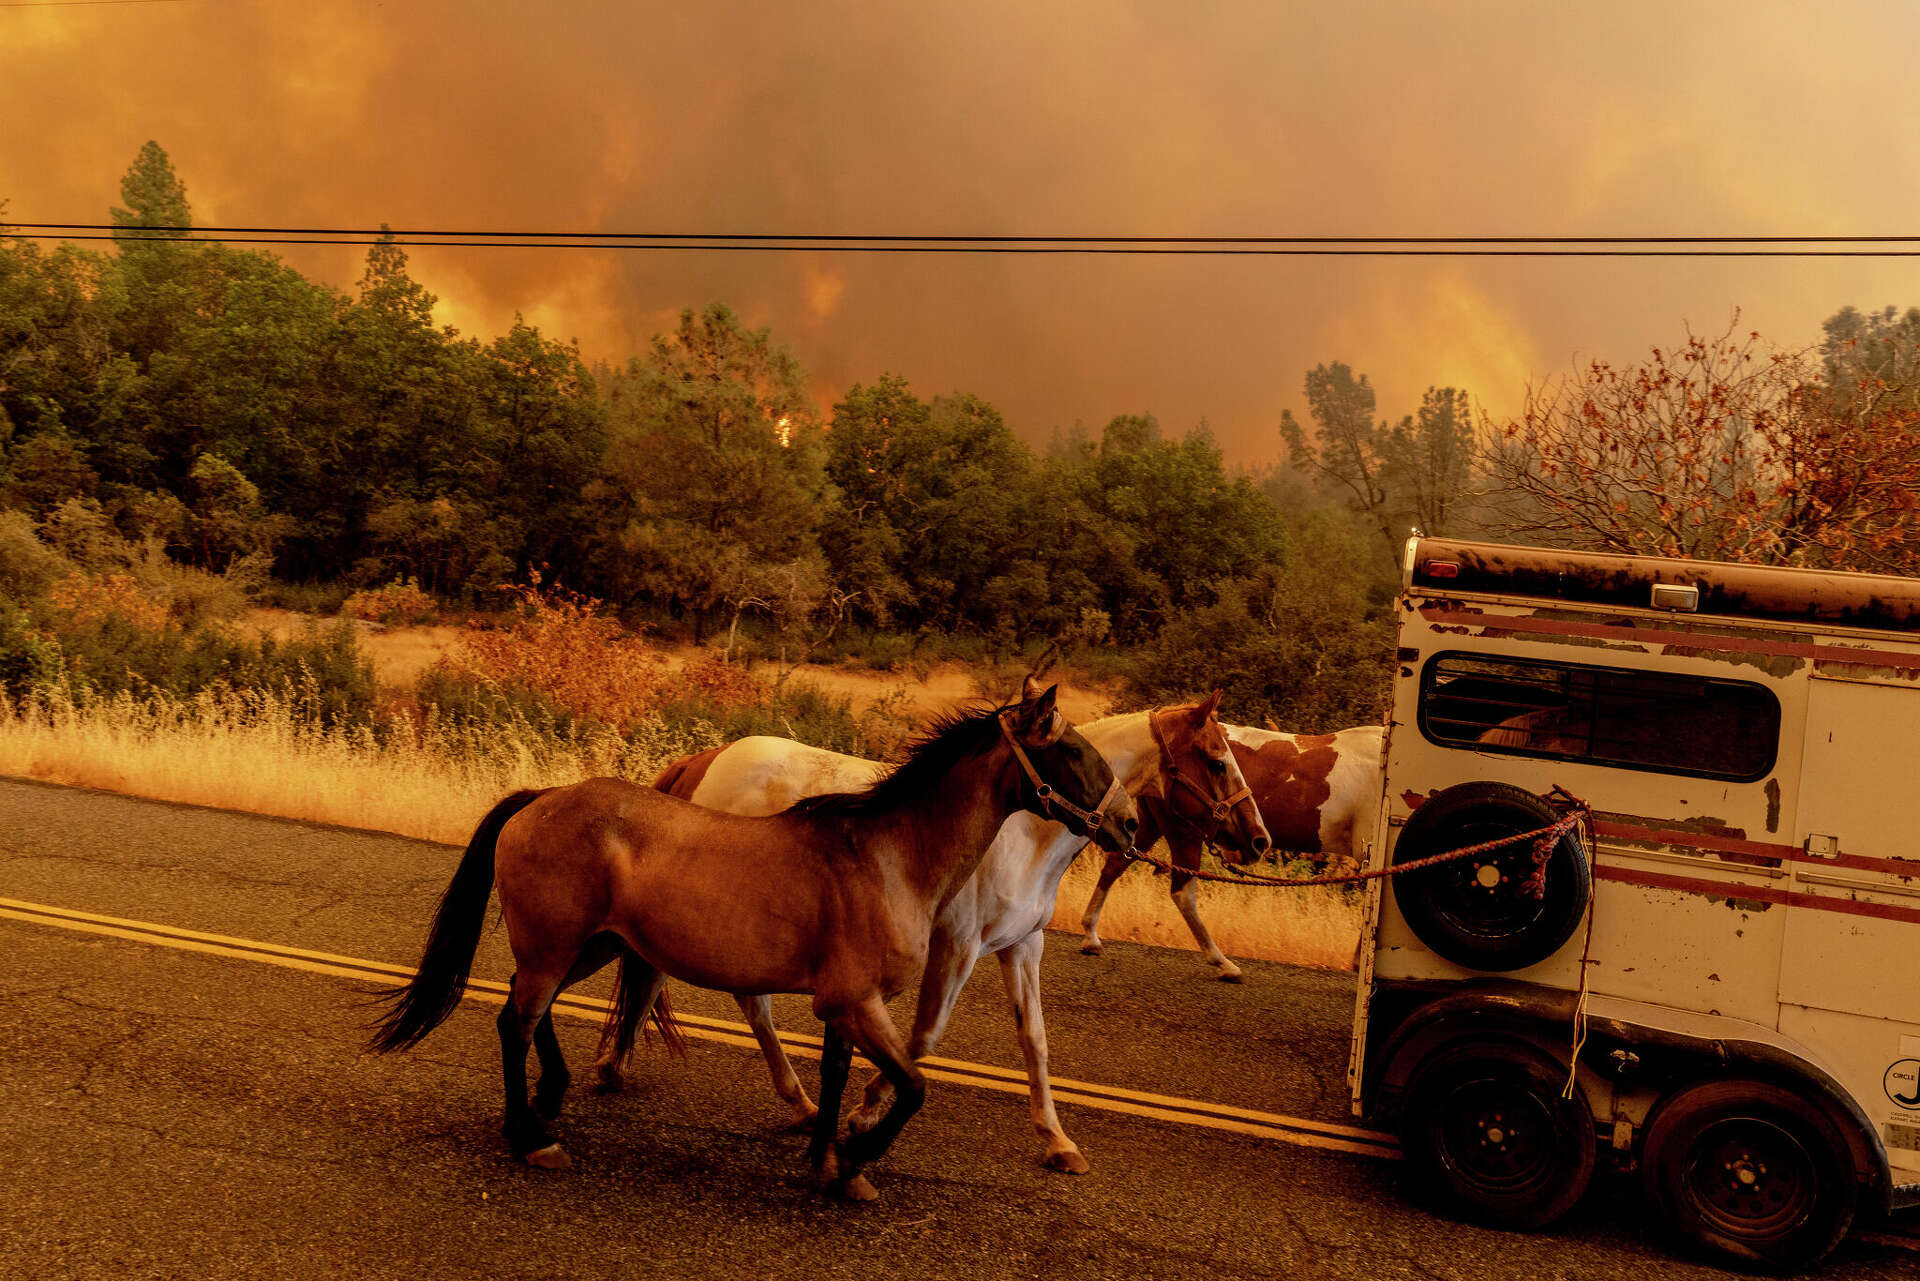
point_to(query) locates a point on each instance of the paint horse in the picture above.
(836, 896)
(1179, 756)
(1317, 793)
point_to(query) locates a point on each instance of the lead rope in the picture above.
(1544, 839)
(1586, 961)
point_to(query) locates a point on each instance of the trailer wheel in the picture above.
(1486, 1122)
(1475, 911)
(1747, 1169)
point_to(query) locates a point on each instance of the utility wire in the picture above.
(790, 239)
(70, 4)
(1082, 249)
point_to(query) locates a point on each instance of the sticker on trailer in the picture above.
(1902, 1084)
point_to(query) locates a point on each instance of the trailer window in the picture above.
(1610, 716)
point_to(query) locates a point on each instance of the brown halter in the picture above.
(1049, 797)
(1217, 810)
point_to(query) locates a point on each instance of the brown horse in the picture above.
(1317, 795)
(835, 897)
(1176, 757)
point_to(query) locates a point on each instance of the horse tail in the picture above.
(671, 1037)
(420, 1005)
(624, 1015)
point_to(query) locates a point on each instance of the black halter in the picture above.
(1052, 804)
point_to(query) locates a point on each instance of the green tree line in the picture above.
(214, 403)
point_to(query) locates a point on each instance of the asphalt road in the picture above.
(173, 1112)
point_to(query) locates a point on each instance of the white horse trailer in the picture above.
(1732, 970)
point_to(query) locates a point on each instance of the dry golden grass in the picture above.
(1312, 926)
(250, 752)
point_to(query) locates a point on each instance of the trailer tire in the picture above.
(1475, 911)
(1486, 1121)
(1750, 1171)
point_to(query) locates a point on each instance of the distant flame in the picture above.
(786, 431)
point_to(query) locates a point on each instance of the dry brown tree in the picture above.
(1721, 448)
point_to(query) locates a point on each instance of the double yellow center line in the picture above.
(984, 1076)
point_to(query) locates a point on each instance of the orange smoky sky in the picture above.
(1096, 117)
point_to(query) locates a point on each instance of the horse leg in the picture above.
(1186, 897)
(530, 994)
(1020, 969)
(947, 971)
(551, 1091)
(1110, 871)
(554, 1076)
(867, 1026)
(786, 1082)
(823, 1153)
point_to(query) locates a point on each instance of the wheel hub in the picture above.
(1753, 1178)
(1495, 1141)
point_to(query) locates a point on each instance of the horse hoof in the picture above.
(551, 1157)
(855, 1189)
(803, 1117)
(1068, 1161)
(1231, 976)
(863, 1120)
(1090, 949)
(608, 1079)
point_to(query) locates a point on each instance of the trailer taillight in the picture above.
(1443, 569)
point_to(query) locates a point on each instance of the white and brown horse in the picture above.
(1004, 908)
(836, 897)
(1318, 795)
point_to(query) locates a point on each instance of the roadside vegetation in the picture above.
(621, 564)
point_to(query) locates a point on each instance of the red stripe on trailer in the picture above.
(1756, 893)
(1765, 850)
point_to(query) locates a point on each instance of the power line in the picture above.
(809, 239)
(69, 4)
(1080, 249)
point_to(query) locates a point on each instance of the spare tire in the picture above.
(1475, 911)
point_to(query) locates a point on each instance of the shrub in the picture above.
(559, 645)
(1309, 646)
(454, 698)
(398, 602)
(305, 598)
(195, 596)
(798, 711)
(1272, 662)
(107, 646)
(30, 660)
(85, 600)
(28, 567)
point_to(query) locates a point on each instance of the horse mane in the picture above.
(952, 737)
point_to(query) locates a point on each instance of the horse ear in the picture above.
(1047, 702)
(1036, 710)
(1207, 707)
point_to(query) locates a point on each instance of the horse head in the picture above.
(1068, 780)
(1204, 787)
